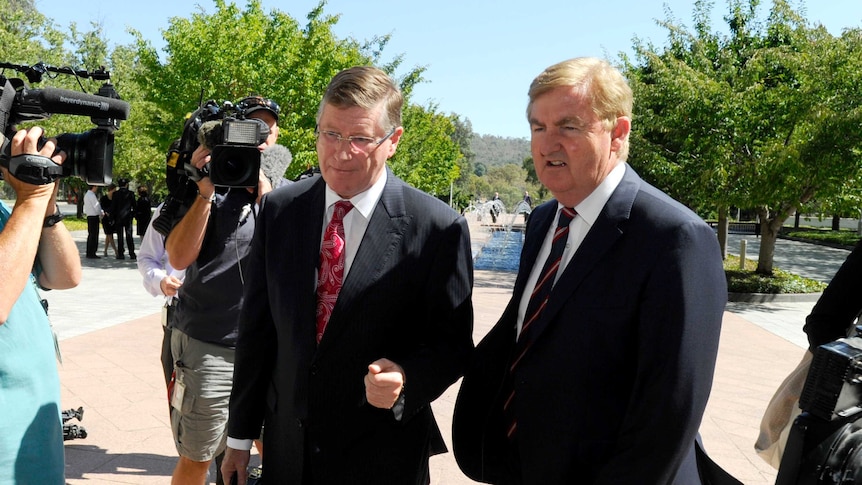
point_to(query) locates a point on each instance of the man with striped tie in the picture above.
(599, 370)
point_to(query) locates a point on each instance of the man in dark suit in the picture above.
(347, 399)
(599, 370)
(123, 209)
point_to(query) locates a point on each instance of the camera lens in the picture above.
(89, 155)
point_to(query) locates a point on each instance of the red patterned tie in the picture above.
(537, 303)
(331, 272)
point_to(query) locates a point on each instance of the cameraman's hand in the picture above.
(27, 142)
(201, 157)
(263, 186)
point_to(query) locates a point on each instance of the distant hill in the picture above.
(496, 150)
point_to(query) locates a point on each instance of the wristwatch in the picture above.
(56, 217)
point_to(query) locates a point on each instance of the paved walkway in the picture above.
(110, 335)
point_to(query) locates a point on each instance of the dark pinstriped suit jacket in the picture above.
(407, 297)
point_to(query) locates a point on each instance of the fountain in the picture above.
(502, 249)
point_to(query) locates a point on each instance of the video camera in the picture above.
(90, 155)
(824, 442)
(235, 160)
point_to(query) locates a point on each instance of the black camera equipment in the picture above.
(89, 155)
(235, 160)
(73, 431)
(824, 442)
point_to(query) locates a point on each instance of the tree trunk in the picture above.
(768, 236)
(723, 224)
(769, 230)
(796, 220)
(836, 223)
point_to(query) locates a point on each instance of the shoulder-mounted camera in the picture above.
(233, 139)
(89, 155)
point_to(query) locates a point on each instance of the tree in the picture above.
(427, 156)
(258, 53)
(764, 118)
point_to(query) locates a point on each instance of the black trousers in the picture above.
(125, 230)
(92, 236)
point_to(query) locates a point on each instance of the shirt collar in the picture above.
(590, 208)
(364, 202)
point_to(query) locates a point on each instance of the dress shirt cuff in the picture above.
(238, 444)
(153, 279)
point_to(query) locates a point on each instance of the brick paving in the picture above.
(110, 336)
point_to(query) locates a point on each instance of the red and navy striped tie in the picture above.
(537, 303)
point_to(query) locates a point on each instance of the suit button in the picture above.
(299, 423)
(314, 370)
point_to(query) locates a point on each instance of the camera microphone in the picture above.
(64, 101)
(274, 161)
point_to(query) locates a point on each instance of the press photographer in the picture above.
(35, 250)
(89, 155)
(233, 136)
(211, 242)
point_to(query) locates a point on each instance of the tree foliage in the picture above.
(763, 118)
(427, 156)
(232, 53)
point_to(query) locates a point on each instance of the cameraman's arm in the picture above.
(23, 233)
(184, 242)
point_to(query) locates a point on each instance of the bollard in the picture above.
(742, 244)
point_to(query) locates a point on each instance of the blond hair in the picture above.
(606, 88)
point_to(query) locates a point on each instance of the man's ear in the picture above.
(394, 139)
(620, 132)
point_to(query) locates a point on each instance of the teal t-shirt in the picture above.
(31, 430)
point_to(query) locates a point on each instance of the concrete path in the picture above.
(110, 335)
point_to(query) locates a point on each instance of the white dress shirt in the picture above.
(588, 211)
(356, 221)
(92, 208)
(153, 260)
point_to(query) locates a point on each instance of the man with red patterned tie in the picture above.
(599, 370)
(354, 323)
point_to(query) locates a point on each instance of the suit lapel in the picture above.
(375, 255)
(308, 210)
(540, 221)
(601, 237)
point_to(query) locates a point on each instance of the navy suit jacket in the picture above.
(407, 298)
(614, 387)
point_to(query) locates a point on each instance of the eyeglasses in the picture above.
(259, 101)
(361, 143)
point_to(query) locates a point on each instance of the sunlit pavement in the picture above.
(110, 337)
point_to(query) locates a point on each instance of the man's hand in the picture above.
(383, 383)
(201, 157)
(170, 285)
(235, 462)
(27, 141)
(263, 186)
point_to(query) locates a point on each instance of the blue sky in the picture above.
(480, 55)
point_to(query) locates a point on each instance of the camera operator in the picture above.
(211, 242)
(35, 249)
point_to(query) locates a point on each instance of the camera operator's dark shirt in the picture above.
(839, 305)
(211, 295)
